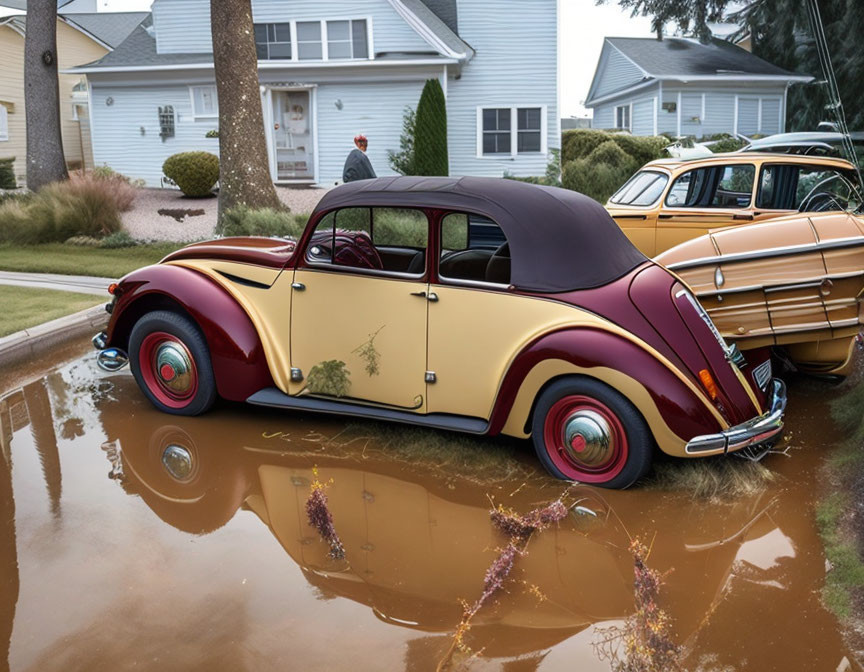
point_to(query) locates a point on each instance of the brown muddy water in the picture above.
(133, 540)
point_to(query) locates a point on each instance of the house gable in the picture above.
(183, 26)
(615, 72)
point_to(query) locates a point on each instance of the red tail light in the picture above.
(708, 383)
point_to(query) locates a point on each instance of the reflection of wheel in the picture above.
(585, 431)
(171, 363)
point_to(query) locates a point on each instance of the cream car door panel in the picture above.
(365, 334)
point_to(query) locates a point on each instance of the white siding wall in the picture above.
(667, 122)
(748, 115)
(604, 116)
(770, 116)
(516, 59)
(374, 109)
(183, 26)
(719, 113)
(691, 114)
(615, 72)
(642, 122)
(117, 138)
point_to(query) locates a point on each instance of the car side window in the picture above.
(713, 187)
(375, 239)
(473, 249)
(803, 187)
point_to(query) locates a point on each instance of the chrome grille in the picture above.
(762, 374)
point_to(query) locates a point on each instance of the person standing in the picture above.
(357, 165)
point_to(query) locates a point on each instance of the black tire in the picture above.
(580, 394)
(184, 330)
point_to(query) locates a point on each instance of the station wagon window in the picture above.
(643, 189)
(803, 187)
(473, 249)
(713, 187)
(375, 239)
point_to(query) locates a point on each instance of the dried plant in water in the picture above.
(319, 517)
(369, 354)
(521, 527)
(330, 378)
(645, 636)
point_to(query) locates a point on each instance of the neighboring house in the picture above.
(63, 6)
(80, 38)
(331, 70)
(680, 87)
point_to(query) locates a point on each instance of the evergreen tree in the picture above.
(691, 16)
(403, 160)
(430, 139)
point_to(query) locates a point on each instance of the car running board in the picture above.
(275, 398)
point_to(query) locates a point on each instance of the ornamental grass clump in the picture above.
(319, 516)
(645, 636)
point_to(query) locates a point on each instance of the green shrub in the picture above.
(552, 178)
(728, 144)
(196, 173)
(580, 142)
(642, 148)
(80, 206)
(430, 140)
(403, 160)
(611, 154)
(597, 180)
(7, 174)
(244, 221)
(116, 241)
(83, 241)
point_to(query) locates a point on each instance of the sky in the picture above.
(582, 27)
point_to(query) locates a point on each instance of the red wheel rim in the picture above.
(168, 369)
(585, 439)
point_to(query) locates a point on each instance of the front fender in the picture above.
(674, 409)
(239, 362)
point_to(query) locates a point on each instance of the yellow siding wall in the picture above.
(12, 91)
(73, 48)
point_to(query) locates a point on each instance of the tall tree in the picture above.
(691, 16)
(45, 160)
(430, 131)
(244, 173)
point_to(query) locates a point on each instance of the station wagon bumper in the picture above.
(754, 432)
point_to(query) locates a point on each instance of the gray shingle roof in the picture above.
(674, 56)
(422, 9)
(109, 27)
(445, 10)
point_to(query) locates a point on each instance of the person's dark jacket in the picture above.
(357, 167)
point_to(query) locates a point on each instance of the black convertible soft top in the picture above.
(560, 240)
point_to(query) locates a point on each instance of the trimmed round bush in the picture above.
(611, 154)
(196, 173)
(579, 143)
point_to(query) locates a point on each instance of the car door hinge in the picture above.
(431, 377)
(296, 375)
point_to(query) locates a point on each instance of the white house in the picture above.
(331, 70)
(680, 87)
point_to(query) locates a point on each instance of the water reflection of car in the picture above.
(478, 305)
(416, 546)
(772, 246)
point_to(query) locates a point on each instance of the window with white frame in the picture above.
(204, 102)
(4, 123)
(309, 45)
(273, 41)
(622, 116)
(347, 39)
(511, 130)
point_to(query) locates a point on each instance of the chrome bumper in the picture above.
(108, 359)
(753, 432)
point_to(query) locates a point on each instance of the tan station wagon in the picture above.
(767, 242)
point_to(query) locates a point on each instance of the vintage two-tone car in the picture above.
(479, 305)
(771, 245)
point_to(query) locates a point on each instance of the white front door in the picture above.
(293, 135)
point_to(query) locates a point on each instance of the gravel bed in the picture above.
(144, 221)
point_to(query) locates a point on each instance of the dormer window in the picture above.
(344, 39)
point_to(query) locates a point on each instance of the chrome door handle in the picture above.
(299, 286)
(433, 297)
(420, 294)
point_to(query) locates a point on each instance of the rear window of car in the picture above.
(805, 187)
(643, 189)
(713, 187)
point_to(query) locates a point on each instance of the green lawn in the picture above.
(80, 260)
(24, 307)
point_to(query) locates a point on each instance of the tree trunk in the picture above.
(45, 160)
(244, 171)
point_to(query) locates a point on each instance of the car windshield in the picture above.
(808, 188)
(644, 188)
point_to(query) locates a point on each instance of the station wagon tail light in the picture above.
(708, 383)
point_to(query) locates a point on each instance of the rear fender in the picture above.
(238, 358)
(674, 410)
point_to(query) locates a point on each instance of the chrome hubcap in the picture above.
(588, 438)
(178, 462)
(174, 368)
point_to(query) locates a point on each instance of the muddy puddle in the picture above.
(133, 540)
